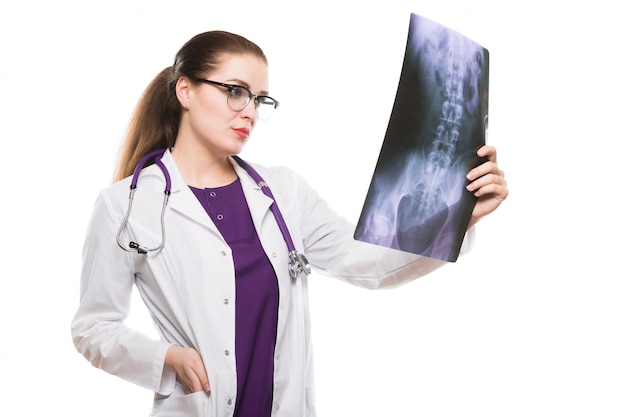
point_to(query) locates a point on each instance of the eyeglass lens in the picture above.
(238, 99)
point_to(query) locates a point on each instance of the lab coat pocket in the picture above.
(196, 404)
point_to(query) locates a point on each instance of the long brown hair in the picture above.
(157, 116)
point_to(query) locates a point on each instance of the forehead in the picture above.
(248, 69)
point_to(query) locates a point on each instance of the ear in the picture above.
(183, 91)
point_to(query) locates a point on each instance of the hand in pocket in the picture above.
(188, 365)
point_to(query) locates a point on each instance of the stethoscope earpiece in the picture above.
(140, 249)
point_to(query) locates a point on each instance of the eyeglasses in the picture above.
(239, 96)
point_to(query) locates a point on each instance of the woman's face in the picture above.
(208, 121)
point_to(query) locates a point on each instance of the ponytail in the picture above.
(154, 123)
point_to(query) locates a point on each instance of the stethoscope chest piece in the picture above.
(298, 263)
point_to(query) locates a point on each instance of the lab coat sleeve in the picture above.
(98, 328)
(332, 250)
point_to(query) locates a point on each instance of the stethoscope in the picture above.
(297, 261)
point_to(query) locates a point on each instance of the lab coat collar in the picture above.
(258, 202)
(184, 201)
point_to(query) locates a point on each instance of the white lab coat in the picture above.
(189, 287)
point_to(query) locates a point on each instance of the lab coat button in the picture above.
(223, 253)
(230, 401)
(227, 352)
(274, 254)
(226, 301)
(277, 407)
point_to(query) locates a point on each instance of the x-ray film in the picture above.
(417, 201)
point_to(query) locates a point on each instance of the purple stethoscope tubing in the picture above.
(134, 246)
(297, 262)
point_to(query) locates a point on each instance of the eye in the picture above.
(236, 91)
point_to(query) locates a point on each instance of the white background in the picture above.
(531, 323)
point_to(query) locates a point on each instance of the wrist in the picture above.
(170, 357)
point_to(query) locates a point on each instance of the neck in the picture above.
(202, 170)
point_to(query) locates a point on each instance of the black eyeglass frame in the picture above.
(230, 88)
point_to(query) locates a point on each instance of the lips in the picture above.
(243, 132)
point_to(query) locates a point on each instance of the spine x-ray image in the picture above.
(417, 201)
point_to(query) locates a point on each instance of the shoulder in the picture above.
(116, 190)
(282, 178)
(111, 200)
(149, 178)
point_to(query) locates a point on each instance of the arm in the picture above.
(98, 328)
(329, 245)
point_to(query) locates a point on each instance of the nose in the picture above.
(249, 111)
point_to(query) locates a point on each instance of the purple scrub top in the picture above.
(256, 310)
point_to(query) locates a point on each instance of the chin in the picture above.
(236, 150)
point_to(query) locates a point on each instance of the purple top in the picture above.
(256, 309)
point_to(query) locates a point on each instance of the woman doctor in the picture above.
(233, 323)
